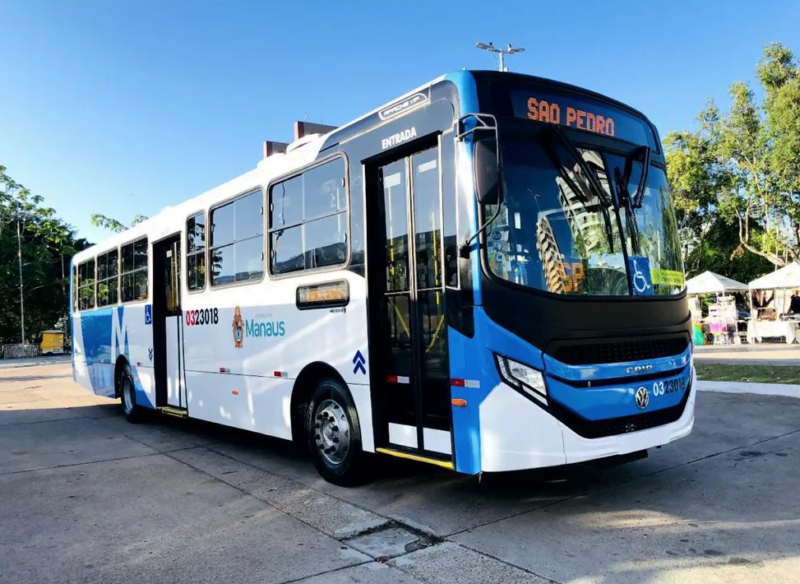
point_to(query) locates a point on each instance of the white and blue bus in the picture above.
(484, 274)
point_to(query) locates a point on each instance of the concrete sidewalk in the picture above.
(778, 389)
(772, 354)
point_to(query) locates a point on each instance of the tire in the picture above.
(334, 434)
(133, 413)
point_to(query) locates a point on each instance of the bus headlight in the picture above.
(522, 377)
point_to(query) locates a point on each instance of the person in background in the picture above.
(794, 303)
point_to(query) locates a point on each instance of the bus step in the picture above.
(417, 457)
(171, 411)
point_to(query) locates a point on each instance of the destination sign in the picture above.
(543, 111)
(573, 110)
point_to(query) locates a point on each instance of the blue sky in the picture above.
(125, 106)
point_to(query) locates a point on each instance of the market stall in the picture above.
(722, 323)
(779, 317)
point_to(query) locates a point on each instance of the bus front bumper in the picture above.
(516, 434)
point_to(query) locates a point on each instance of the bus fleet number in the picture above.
(203, 316)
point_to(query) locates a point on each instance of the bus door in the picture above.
(168, 324)
(408, 330)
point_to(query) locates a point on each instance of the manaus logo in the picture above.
(238, 328)
(254, 328)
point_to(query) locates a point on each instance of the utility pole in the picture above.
(21, 295)
(500, 52)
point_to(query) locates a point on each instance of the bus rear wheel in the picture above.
(334, 434)
(133, 413)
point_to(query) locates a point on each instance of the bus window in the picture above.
(196, 252)
(308, 220)
(75, 294)
(86, 285)
(237, 240)
(107, 278)
(134, 271)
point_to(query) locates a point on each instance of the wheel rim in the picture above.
(332, 431)
(127, 396)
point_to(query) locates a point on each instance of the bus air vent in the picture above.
(597, 352)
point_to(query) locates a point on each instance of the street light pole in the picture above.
(501, 53)
(21, 295)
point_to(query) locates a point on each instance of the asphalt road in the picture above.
(87, 497)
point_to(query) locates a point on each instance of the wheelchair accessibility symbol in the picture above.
(641, 278)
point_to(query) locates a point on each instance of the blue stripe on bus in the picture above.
(466, 426)
(473, 358)
(616, 400)
(72, 317)
(615, 370)
(468, 103)
(97, 329)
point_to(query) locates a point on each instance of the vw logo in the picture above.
(642, 398)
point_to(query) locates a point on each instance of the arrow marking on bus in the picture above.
(359, 361)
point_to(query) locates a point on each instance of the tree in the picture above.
(741, 171)
(99, 220)
(47, 246)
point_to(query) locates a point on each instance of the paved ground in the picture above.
(758, 354)
(35, 361)
(87, 497)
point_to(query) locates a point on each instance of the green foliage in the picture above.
(737, 179)
(111, 224)
(47, 245)
(99, 220)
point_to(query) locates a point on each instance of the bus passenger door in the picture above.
(408, 335)
(168, 324)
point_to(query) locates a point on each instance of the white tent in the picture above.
(711, 283)
(787, 277)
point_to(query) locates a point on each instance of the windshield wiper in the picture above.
(594, 183)
(641, 154)
(644, 153)
(626, 201)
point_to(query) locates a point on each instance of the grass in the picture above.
(748, 373)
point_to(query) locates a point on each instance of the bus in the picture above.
(483, 274)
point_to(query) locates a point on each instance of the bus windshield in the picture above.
(557, 233)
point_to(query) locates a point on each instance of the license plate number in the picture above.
(669, 386)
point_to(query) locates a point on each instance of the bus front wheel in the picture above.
(133, 413)
(334, 434)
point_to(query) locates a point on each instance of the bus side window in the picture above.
(107, 278)
(75, 294)
(86, 285)
(134, 271)
(308, 219)
(196, 252)
(237, 240)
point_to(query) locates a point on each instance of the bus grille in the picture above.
(598, 352)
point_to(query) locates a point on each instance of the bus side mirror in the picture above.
(487, 171)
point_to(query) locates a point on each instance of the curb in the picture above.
(780, 389)
(44, 361)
